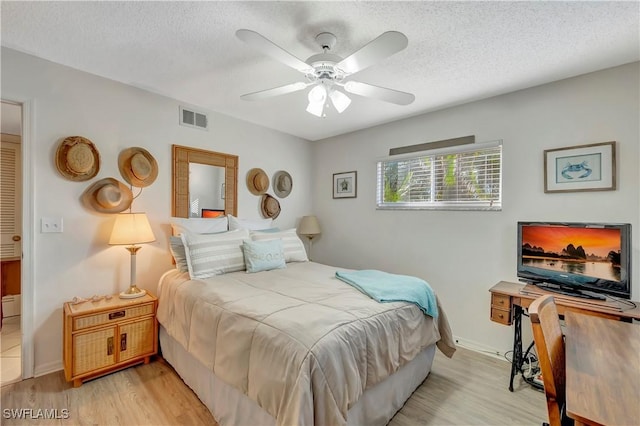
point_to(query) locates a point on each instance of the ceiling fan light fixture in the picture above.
(315, 108)
(339, 100)
(318, 94)
(317, 97)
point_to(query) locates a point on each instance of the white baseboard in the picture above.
(479, 347)
(50, 367)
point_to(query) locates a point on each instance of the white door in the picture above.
(10, 205)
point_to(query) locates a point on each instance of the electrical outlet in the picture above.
(51, 224)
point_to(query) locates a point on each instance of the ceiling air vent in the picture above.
(191, 118)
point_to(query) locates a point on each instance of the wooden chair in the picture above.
(549, 342)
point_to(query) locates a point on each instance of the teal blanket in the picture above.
(385, 287)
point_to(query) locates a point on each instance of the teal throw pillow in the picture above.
(263, 255)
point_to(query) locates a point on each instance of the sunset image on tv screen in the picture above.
(586, 251)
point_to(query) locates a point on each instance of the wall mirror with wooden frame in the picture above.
(185, 198)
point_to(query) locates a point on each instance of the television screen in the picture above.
(576, 256)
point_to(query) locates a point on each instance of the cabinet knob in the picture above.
(501, 316)
(16, 238)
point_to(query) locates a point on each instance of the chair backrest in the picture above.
(547, 335)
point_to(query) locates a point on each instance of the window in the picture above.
(466, 177)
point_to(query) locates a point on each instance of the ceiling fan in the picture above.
(330, 74)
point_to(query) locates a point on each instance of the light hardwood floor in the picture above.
(470, 389)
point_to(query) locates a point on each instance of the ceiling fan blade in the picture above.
(376, 50)
(267, 47)
(376, 92)
(276, 91)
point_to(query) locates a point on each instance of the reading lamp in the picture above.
(131, 229)
(309, 227)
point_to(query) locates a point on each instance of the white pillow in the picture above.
(178, 252)
(198, 225)
(250, 224)
(293, 247)
(214, 254)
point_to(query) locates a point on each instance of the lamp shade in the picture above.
(131, 228)
(340, 100)
(317, 96)
(309, 226)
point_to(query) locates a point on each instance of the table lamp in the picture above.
(309, 227)
(131, 229)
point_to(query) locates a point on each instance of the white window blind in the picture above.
(467, 177)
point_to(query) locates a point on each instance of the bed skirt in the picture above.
(229, 406)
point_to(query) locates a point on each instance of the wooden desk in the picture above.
(603, 370)
(508, 301)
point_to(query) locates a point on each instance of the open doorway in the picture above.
(11, 242)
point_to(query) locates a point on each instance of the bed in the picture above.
(295, 346)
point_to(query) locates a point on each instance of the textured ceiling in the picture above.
(458, 51)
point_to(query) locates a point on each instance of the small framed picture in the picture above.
(345, 185)
(580, 168)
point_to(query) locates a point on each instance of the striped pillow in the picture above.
(294, 250)
(214, 254)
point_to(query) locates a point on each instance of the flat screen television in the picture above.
(580, 259)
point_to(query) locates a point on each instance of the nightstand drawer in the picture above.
(112, 316)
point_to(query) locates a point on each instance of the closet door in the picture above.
(10, 184)
(10, 215)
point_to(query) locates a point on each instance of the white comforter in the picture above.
(298, 341)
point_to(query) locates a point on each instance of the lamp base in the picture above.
(310, 237)
(132, 292)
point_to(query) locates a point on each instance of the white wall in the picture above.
(78, 262)
(462, 254)
(10, 119)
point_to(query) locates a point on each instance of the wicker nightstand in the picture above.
(108, 335)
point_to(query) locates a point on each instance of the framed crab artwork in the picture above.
(580, 168)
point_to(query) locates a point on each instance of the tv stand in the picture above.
(567, 291)
(509, 300)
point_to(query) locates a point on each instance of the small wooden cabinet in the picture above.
(108, 335)
(501, 308)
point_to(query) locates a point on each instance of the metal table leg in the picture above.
(516, 362)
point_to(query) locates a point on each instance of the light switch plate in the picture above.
(51, 224)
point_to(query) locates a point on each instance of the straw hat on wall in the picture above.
(77, 159)
(137, 166)
(257, 181)
(108, 195)
(270, 206)
(282, 184)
